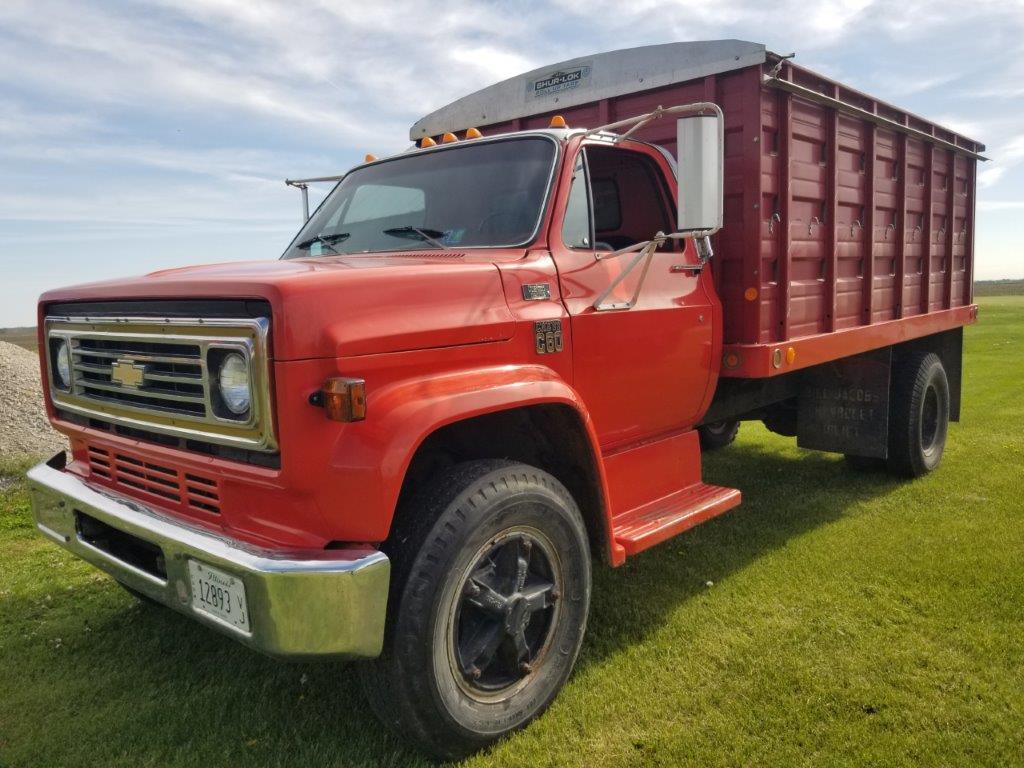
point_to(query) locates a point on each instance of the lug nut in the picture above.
(555, 594)
(474, 672)
(525, 668)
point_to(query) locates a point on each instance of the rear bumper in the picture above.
(308, 604)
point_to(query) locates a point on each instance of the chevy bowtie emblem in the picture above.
(127, 372)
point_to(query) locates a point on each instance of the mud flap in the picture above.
(844, 406)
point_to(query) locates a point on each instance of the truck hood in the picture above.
(341, 306)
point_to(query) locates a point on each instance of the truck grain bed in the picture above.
(849, 223)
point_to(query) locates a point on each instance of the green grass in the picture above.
(851, 620)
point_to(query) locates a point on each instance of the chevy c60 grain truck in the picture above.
(493, 360)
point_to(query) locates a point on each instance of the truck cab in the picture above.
(489, 362)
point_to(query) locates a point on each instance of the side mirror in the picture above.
(701, 173)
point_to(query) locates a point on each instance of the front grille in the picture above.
(188, 491)
(172, 375)
(160, 376)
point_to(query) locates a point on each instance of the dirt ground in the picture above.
(23, 426)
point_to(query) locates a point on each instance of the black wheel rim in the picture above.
(505, 614)
(929, 420)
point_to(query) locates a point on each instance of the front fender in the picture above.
(374, 458)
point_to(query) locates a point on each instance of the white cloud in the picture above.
(990, 176)
(1001, 205)
(228, 164)
(908, 85)
(834, 17)
(17, 122)
(496, 63)
(131, 61)
(1004, 158)
(184, 116)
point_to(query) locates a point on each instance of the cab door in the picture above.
(647, 370)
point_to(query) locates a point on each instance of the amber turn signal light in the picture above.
(344, 399)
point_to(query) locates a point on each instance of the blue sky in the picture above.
(141, 135)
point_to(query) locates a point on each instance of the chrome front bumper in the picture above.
(308, 604)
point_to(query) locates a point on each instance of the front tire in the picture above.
(488, 608)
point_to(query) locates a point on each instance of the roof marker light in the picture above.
(473, 133)
(557, 122)
(448, 138)
(426, 141)
(369, 158)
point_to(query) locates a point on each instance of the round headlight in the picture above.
(234, 383)
(63, 362)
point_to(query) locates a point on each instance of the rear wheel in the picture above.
(487, 611)
(717, 435)
(918, 415)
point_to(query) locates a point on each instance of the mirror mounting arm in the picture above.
(644, 252)
(704, 250)
(639, 121)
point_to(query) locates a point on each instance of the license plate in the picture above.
(219, 594)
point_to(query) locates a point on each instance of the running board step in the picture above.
(653, 523)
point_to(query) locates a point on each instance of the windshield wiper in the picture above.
(327, 240)
(419, 233)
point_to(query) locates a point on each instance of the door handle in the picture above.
(695, 268)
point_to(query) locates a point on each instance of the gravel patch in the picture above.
(24, 430)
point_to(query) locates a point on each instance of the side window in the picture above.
(607, 209)
(576, 224)
(631, 202)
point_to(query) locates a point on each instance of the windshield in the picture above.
(483, 194)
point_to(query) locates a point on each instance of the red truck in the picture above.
(493, 359)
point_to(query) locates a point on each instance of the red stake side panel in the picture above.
(842, 214)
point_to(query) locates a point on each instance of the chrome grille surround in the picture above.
(156, 374)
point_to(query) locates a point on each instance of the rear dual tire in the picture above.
(918, 418)
(488, 608)
(721, 434)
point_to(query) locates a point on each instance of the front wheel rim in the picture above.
(505, 614)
